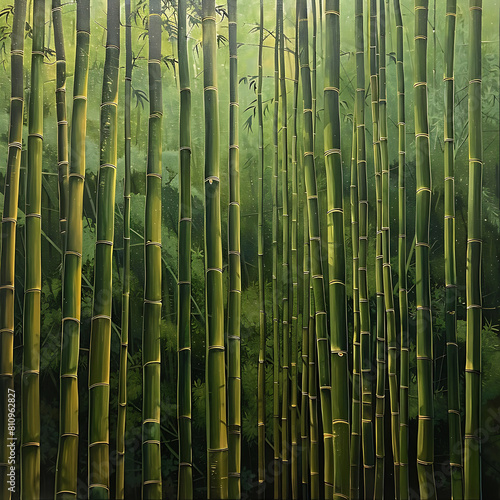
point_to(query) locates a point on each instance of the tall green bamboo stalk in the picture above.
(472, 450)
(285, 280)
(261, 373)
(275, 230)
(336, 254)
(306, 354)
(8, 241)
(390, 312)
(122, 381)
(454, 420)
(151, 356)
(323, 348)
(184, 405)
(294, 274)
(67, 456)
(30, 390)
(234, 368)
(62, 120)
(100, 335)
(380, 344)
(403, 296)
(217, 465)
(364, 309)
(425, 439)
(355, 445)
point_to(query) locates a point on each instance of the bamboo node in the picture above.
(34, 134)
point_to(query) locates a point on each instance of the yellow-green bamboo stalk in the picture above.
(472, 450)
(323, 348)
(336, 254)
(294, 271)
(234, 259)
(390, 312)
(425, 438)
(364, 309)
(261, 369)
(403, 297)
(30, 390)
(285, 280)
(184, 405)
(8, 243)
(355, 445)
(454, 420)
(217, 466)
(67, 457)
(275, 230)
(151, 355)
(100, 335)
(122, 381)
(62, 123)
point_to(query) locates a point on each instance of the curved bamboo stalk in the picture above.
(215, 366)
(67, 456)
(364, 310)
(30, 391)
(184, 405)
(151, 356)
(323, 348)
(336, 254)
(285, 280)
(62, 123)
(100, 334)
(261, 373)
(390, 312)
(275, 231)
(234, 305)
(425, 439)
(403, 296)
(8, 241)
(122, 381)
(454, 420)
(472, 450)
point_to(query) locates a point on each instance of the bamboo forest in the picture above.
(250, 250)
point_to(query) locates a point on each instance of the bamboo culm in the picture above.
(184, 404)
(151, 355)
(67, 456)
(234, 259)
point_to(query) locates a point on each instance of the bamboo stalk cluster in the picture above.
(330, 418)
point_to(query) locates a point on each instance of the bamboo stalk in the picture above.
(275, 230)
(67, 456)
(184, 405)
(217, 466)
(151, 356)
(30, 391)
(323, 348)
(234, 259)
(100, 335)
(454, 420)
(355, 445)
(403, 296)
(62, 123)
(364, 310)
(390, 312)
(472, 450)
(122, 381)
(261, 373)
(336, 254)
(285, 459)
(8, 239)
(425, 438)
